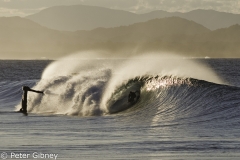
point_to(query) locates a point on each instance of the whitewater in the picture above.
(188, 108)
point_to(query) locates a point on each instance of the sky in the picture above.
(26, 7)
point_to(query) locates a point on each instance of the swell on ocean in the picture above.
(91, 84)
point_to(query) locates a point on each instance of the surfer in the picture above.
(24, 98)
(133, 96)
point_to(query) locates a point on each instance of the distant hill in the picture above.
(220, 43)
(21, 38)
(81, 17)
(146, 31)
(209, 18)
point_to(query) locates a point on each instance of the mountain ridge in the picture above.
(173, 34)
(61, 17)
(82, 17)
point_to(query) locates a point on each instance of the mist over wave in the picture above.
(90, 83)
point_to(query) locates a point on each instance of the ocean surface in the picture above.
(188, 109)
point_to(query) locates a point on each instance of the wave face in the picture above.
(172, 90)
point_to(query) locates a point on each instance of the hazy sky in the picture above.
(26, 7)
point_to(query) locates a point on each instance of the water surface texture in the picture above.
(188, 108)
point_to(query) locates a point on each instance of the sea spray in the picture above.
(83, 83)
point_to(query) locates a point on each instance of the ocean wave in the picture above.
(168, 93)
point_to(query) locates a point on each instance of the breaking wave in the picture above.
(171, 88)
